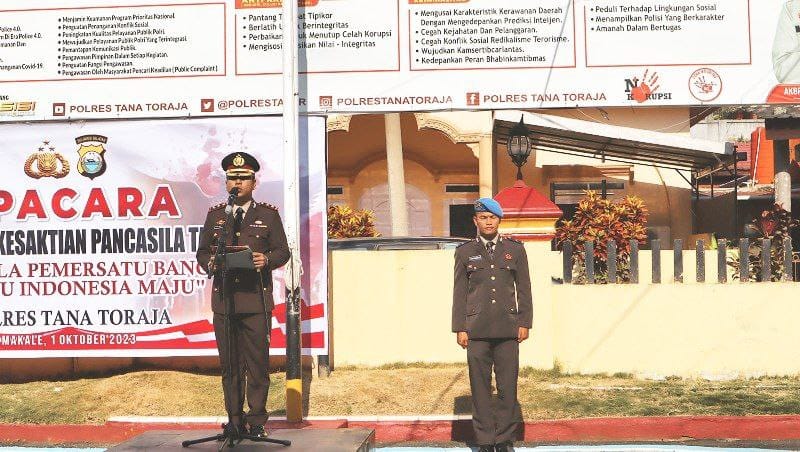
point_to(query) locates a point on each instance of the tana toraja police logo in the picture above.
(91, 162)
(46, 162)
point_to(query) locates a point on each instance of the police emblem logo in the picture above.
(46, 162)
(238, 160)
(91, 161)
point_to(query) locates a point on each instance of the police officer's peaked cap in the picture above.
(488, 205)
(240, 164)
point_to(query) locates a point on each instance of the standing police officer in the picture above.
(492, 314)
(258, 226)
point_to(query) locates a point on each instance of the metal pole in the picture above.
(736, 231)
(291, 197)
(696, 199)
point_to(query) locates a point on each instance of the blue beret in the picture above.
(488, 205)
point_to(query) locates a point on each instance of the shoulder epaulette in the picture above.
(267, 205)
(216, 207)
(512, 239)
(462, 244)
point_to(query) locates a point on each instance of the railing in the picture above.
(787, 261)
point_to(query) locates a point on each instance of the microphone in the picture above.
(231, 199)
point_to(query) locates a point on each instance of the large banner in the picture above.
(94, 59)
(100, 222)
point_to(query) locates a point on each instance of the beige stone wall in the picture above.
(715, 331)
(397, 308)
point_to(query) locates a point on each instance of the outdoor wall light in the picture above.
(519, 146)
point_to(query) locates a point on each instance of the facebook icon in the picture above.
(473, 99)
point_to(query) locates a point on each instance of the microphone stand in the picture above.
(230, 434)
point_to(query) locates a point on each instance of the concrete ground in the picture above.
(421, 433)
(708, 446)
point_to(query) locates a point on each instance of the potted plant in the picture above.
(345, 222)
(775, 224)
(601, 220)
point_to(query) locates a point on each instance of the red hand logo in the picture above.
(646, 87)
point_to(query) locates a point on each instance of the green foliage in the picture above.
(344, 222)
(601, 220)
(775, 224)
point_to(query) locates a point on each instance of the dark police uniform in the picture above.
(261, 229)
(491, 300)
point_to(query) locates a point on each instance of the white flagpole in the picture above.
(291, 204)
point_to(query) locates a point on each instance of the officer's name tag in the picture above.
(258, 225)
(475, 258)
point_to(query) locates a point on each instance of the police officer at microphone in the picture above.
(258, 226)
(492, 314)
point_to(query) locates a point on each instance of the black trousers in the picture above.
(250, 370)
(494, 424)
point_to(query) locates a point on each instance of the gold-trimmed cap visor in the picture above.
(240, 172)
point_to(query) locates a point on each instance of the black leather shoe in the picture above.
(232, 430)
(258, 430)
(504, 447)
(485, 448)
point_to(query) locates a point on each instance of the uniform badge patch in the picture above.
(508, 256)
(475, 258)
